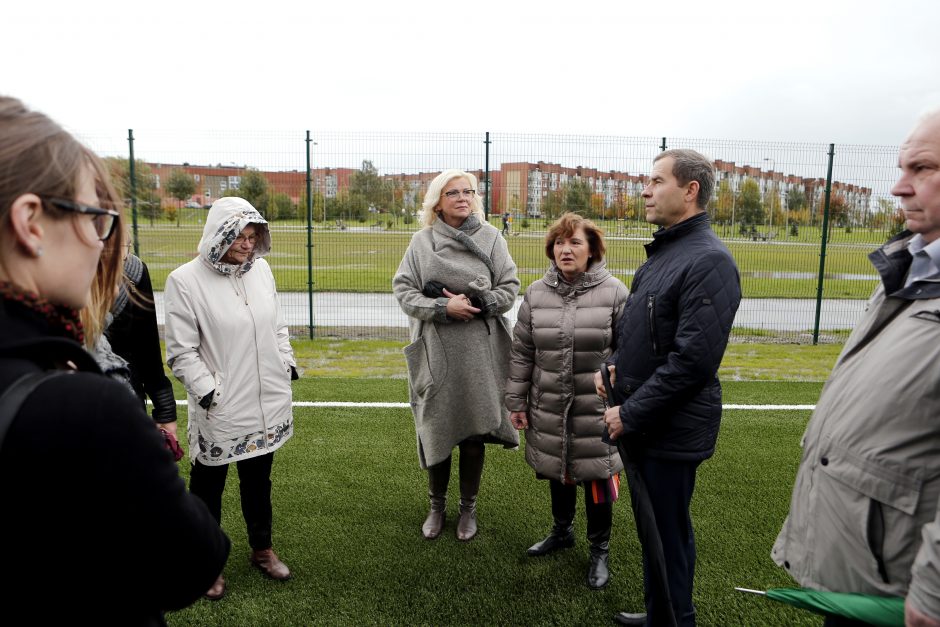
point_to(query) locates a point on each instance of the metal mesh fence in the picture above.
(336, 247)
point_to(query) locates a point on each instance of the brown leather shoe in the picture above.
(267, 562)
(217, 591)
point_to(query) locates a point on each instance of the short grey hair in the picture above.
(689, 165)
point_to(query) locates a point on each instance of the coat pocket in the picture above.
(427, 363)
(879, 501)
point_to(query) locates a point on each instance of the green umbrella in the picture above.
(874, 610)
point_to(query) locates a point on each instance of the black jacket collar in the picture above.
(664, 236)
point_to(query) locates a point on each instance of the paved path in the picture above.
(364, 310)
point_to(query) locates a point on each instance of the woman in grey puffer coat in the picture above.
(567, 327)
(455, 282)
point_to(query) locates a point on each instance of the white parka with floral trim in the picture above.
(225, 334)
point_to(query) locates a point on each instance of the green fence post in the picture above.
(486, 196)
(132, 172)
(822, 248)
(663, 146)
(309, 245)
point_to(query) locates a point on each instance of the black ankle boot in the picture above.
(599, 521)
(564, 499)
(559, 538)
(598, 574)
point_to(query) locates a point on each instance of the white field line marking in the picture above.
(406, 405)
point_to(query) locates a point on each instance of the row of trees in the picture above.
(367, 193)
(745, 207)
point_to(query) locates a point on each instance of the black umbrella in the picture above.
(646, 528)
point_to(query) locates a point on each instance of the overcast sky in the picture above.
(802, 70)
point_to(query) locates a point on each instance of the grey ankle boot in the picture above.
(438, 478)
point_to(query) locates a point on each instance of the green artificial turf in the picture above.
(349, 499)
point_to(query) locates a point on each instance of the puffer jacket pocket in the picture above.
(878, 502)
(427, 363)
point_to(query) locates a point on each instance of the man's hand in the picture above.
(519, 420)
(599, 383)
(913, 618)
(614, 423)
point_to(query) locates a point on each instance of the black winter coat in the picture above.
(97, 524)
(133, 335)
(674, 331)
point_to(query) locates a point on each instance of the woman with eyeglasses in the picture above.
(455, 282)
(228, 343)
(93, 500)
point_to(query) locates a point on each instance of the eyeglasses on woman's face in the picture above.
(456, 193)
(251, 239)
(103, 219)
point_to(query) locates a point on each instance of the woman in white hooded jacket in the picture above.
(228, 343)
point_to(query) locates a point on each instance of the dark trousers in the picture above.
(565, 498)
(670, 484)
(254, 486)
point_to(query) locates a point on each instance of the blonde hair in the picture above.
(110, 273)
(38, 156)
(433, 196)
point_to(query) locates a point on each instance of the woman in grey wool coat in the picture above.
(455, 282)
(567, 328)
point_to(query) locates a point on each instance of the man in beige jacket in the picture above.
(864, 516)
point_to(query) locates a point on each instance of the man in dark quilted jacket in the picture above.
(667, 398)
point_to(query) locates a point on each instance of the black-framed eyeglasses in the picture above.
(103, 219)
(456, 193)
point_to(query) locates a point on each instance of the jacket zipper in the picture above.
(651, 316)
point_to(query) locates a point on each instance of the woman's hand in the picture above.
(599, 383)
(519, 420)
(459, 307)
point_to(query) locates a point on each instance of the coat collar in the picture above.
(893, 261)
(664, 236)
(596, 273)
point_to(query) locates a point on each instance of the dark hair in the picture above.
(566, 225)
(689, 165)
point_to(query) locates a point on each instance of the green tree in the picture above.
(148, 201)
(723, 206)
(181, 185)
(773, 206)
(367, 190)
(796, 203)
(577, 196)
(553, 204)
(253, 187)
(749, 210)
(280, 207)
